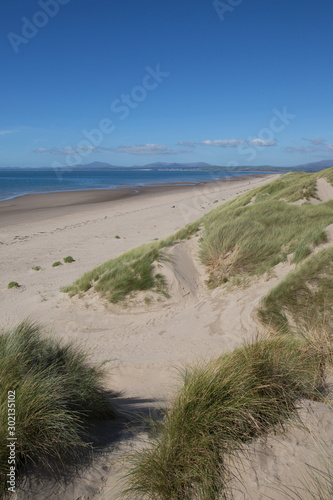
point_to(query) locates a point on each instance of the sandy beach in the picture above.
(142, 344)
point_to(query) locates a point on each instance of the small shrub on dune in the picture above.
(56, 264)
(69, 259)
(57, 396)
(221, 405)
(13, 284)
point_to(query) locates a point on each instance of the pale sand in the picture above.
(143, 343)
(325, 190)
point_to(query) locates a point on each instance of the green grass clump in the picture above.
(36, 268)
(132, 271)
(250, 238)
(304, 297)
(240, 238)
(56, 264)
(292, 187)
(69, 259)
(57, 395)
(221, 405)
(13, 284)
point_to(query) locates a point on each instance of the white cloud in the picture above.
(146, 149)
(88, 148)
(261, 143)
(233, 143)
(187, 143)
(41, 150)
(224, 143)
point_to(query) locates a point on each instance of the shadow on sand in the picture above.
(85, 477)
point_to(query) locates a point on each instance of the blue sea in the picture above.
(15, 183)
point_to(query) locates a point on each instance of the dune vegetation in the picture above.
(304, 298)
(246, 236)
(131, 272)
(222, 404)
(57, 395)
(250, 239)
(256, 388)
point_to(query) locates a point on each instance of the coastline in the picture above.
(40, 206)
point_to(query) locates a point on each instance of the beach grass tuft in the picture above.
(221, 405)
(259, 229)
(132, 271)
(69, 259)
(250, 239)
(13, 284)
(57, 396)
(57, 263)
(304, 297)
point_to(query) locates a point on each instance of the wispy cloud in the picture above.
(147, 149)
(6, 132)
(189, 144)
(315, 141)
(297, 149)
(68, 150)
(223, 143)
(137, 149)
(234, 143)
(155, 149)
(317, 145)
(261, 143)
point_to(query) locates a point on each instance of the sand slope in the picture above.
(324, 190)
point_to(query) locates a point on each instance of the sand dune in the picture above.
(142, 343)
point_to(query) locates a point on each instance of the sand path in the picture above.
(324, 190)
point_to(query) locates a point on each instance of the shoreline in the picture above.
(41, 206)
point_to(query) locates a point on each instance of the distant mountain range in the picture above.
(316, 166)
(102, 166)
(307, 167)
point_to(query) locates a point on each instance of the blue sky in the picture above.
(234, 82)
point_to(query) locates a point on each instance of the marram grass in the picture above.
(57, 396)
(304, 298)
(131, 272)
(222, 404)
(244, 237)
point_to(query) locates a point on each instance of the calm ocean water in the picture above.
(17, 183)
